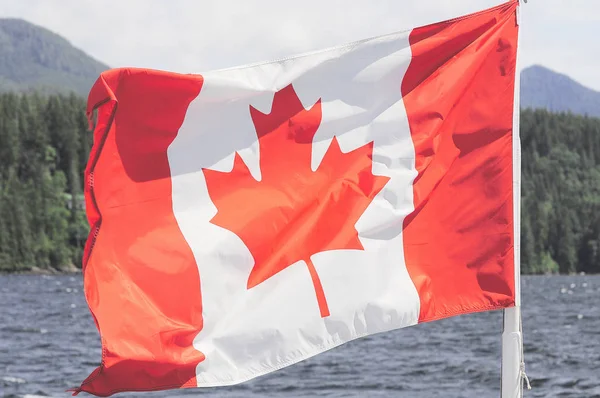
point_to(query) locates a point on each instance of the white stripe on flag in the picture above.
(248, 333)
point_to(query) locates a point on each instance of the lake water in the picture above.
(48, 343)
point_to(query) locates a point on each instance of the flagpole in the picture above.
(513, 365)
(512, 354)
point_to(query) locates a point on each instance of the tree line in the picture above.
(45, 144)
(560, 214)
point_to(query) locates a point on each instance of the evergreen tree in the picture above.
(45, 145)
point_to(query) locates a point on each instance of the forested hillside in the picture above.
(560, 193)
(33, 58)
(45, 145)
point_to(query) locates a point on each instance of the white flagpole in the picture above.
(513, 371)
(513, 366)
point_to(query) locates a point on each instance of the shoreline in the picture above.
(35, 271)
(43, 271)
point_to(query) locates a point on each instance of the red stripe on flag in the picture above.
(459, 92)
(141, 280)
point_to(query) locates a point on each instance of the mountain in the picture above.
(546, 89)
(34, 58)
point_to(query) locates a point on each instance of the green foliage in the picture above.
(42, 156)
(560, 223)
(45, 145)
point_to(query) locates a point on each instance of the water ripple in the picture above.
(48, 343)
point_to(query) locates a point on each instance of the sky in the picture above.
(194, 36)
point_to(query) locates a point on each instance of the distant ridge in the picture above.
(34, 58)
(544, 88)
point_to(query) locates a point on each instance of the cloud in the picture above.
(195, 36)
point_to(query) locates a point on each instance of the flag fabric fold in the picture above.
(246, 219)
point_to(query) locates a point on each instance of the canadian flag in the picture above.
(246, 219)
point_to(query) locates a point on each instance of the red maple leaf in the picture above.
(293, 212)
